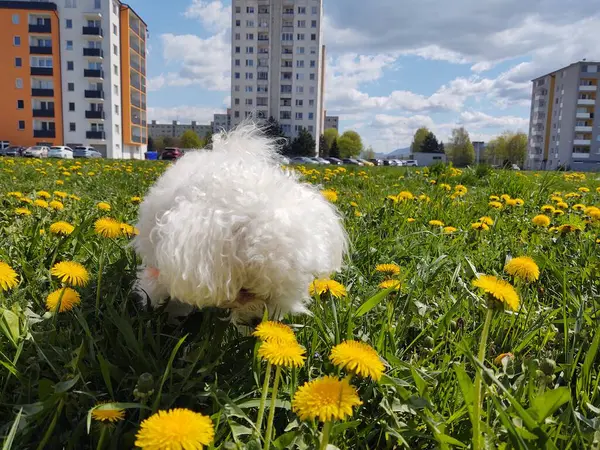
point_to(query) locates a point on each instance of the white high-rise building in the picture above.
(276, 59)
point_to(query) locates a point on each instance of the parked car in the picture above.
(352, 162)
(37, 151)
(335, 161)
(60, 151)
(365, 162)
(171, 153)
(302, 160)
(389, 162)
(321, 161)
(411, 163)
(86, 152)
(12, 151)
(376, 162)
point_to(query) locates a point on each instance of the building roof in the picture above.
(46, 6)
(134, 11)
(566, 67)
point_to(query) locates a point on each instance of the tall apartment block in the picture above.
(74, 73)
(276, 63)
(563, 131)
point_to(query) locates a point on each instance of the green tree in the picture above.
(418, 139)
(331, 134)
(350, 144)
(190, 140)
(208, 139)
(272, 129)
(150, 144)
(430, 144)
(323, 148)
(508, 148)
(460, 149)
(169, 141)
(368, 153)
(334, 151)
(441, 148)
(303, 145)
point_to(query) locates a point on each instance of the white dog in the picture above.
(230, 228)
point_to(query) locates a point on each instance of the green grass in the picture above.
(55, 368)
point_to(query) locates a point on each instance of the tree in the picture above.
(508, 148)
(430, 144)
(323, 148)
(273, 130)
(331, 134)
(368, 153)
(460, 149)
(169, 141)
(418, 139)
(350, 144)
(190, 140)
(303, 145)
(441, 148)
(334, 151)
(150, 144)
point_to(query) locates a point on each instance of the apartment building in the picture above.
(221, 122)
(563, 131)
(332, 122)
(276, 63)
(76, 75)
(176, 129)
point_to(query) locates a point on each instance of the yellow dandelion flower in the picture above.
(558, 212)
(405, 195)
(548, 208)
(107, 227)
(61, 227)
(60, 194)
(22, 212)
(71, 272)
(359, 358)
(583, 189)
(175, 429)
(67, 298)
(321, 286)
(505, 197)
(410, 220)
(274, 331)
(487, 220)
(500, 290)
(8, 277)
(330, 195)
(568, 228)
(285, 354)
(449, 230)
(573, 195)
(541, 220)
(387, 284)
(498, 360)
(494, 198)
(74, 197)
(436, 223)
(56, 205)
(393, 269)
(325, 399)
(354, 204)
(107, 413)
(556, 199)
(43, 194)
(495, 204)
(480, 226)
(445, 186)
(524, 268)
(512, 202)
(129, 230)
(15, 194)
(42, 232)
(562, 205)
(41, 203)
(103, 206)
(578, 207)
(60, 182)
(358, 214)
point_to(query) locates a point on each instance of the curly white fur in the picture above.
(230, 228)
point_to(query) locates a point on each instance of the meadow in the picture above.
(466, 316)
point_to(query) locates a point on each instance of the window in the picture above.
(20, 104)
(311, 103)
(237, 49)
(117, 109)
(116, 89)
(313, 37)
(18, 62)
(313, 63)
(237, 63)
(19, 83)
(249, 76)
(97, 4)
(311, 89)
(238, 9)
(71, 87)
(300, 36)
(236, 114)
(69, 45)
(299, 102)
(69, 23)
(71, 106)
(238, 23)
(115, 31)
(72, 126)
(247, 114)
(313, 50)
(284, 115)
(70, 65)
(287, 36)
(249, 102)
(300, 50)
(299, 89)
(313, 24)
(302, 24)
(311, 128)
(300, 63)
(117, 129)
(236, 88)
(249, 50)
(250, 23)
(250, 9)
(237, 75)
(312, 77)
(286, 128)
(315, 10)
(301, 10)
(17, 41)
(299, 116)
(286, 88)
(238, 36)
(300, 76)
(249, 89)
(236, 101)
(115, 8)
(21, 124)
(249, 63)
(311, 116)
(15, 19)
(250, 36)
(115, 49)
(116, 69)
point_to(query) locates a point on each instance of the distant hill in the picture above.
(398, 153)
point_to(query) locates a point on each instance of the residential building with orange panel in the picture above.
(133, 81)
(30, 78)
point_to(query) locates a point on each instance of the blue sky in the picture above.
(393, 65)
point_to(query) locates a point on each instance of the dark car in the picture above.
(377, 162)
(335, 161)
(352, 162)
(14, 150)
(171, 153)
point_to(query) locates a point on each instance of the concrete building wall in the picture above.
(428, 159)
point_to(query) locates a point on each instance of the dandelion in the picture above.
(392, 269)
(107, 227)
(74, 197)
(410, 220)
(562, 205)
(325, 399)
(498, 360)
(358, 358)
(548, 208)
(387, 284)
(136, 200)
(22, 212)
(405, 195)
(103, 206)
(330, 195)
(358, 214)
(436, 223)
(558, 212)
(320, 286)
(8, 277)
(449, 230)
(583, 189)
(524, 268)
(67, 298)
(578, 207)
(107, 413)
(71, 272)
(61, 227)
(568, 228)
(282, 353)
(494, 198)
(541, 220)
(60, 194)
(505, 197)
(556, 199)
(177, 428)
(56, 205)
(480, 226)
(43, 194)
(269, 331)
(512, 202)
(129, 230)
(487, 220)
(495, 204)
(41, 203)
(500, 290)
(15, 194)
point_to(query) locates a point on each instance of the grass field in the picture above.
(458, 362)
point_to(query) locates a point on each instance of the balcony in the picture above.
(39, 92)
(43, 113)
(40, 28)
(582, 142)
(537, 132)
(93, 52)
(580, 155)
(584, 88)
(42, 71)
(94, 94)
(583, 129)
(37, 50)
(583, 115)
(44, 133)
(93, 73)
(93, 31)
(100, 115)
(96, 135)
(586, 101)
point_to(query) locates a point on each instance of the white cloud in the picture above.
(183, 113)
(478, 120)
(214, 15)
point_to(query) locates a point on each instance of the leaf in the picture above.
(104, 369)
(373, 302)
(10, 437)
(546, 404)
(11, 325)
(167, 372)
(590, 356)
(64, 386)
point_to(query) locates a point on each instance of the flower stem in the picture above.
(272, 409)
(478, 381)
(263, 398)
(101, 262)
(326, 432)
(102, 438)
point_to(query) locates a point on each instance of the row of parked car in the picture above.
(353, 161)
(59, 151)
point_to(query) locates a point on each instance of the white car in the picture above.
(37, 151)
(60, 151)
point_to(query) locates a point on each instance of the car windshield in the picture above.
(55, 148)
(36, 148)
(81, 148)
